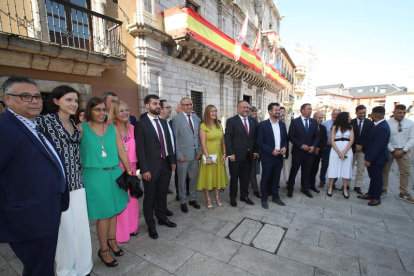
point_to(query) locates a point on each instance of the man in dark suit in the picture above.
(272, 142)
(304, 135)
(318, 116)
(242, 149)
(361, 126)
(156, 159)
(376, 155)
(32, 181)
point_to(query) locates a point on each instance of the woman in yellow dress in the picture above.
(212, 174)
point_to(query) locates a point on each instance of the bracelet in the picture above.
(209, 157)
(130, 173)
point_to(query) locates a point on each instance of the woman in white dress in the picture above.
(340, 158)
(287, 161)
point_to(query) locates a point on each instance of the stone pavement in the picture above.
(319, 236)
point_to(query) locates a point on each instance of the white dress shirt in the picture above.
(154, 124)
(303, 121)
(376, 123)
(247, 122)
(172, 136)
(401, 140)
(362, 123)
(276, 133)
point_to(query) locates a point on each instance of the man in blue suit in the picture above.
(304, 135)
(272, 142)
(33, 193)
(376, 155)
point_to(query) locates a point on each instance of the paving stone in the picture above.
(17, 266)
(264, 263)
(382, 238)
(7, 270)
(170, 233)
(202, 265)
(146, 268)
(321, 272)
(246, 231)
(401, 229)
(161, 252)
(284, 215)
(269, 238)
(386, 216)
(325, 225)
(306, 235)
(302, 209)
(375, 269)
(233, 214)
(370, 222)
(330, 261)
(203, 222)
(2, 260)
(361, 249)
(211, 245)
(407, 258)
(6, 252)
(277, 222)
(338, 206)
(226, 230)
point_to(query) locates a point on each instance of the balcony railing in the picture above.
(300, 88)
(63, 23)
(300, 70)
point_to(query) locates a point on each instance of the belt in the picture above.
(342, 139)
(109, 168)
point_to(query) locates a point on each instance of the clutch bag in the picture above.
(213, 158)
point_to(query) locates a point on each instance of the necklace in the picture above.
(125, 138)
(99, 139)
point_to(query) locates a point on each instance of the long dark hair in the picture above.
(342, 122)
(77, 120)
(91, 104)
(57, 93)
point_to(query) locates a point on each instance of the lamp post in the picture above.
(326, 110)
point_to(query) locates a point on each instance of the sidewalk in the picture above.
(318, 236)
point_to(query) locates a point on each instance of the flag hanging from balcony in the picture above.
(273, 56)
(257, 45)
(279, 64)
(241, 38)
(274, 39)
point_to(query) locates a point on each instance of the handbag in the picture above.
(213, 158)
(131, 182)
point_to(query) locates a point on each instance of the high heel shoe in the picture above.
(328, 194)
(219, 203)
(345, 195)
(111, 264)
(134, 233)
(210, 207)
(117, 253)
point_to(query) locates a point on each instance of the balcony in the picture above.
(300, 88)
(58, 36)
(300, 71)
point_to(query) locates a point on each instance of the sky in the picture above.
(357, 42)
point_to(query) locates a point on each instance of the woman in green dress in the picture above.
(101, 149)
(212, 175)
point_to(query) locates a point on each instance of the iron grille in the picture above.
(197, 98)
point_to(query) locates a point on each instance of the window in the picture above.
(298, 45)
(360, 90)
(310, 64)
(192, 6)
(148, 6)
(197, 98)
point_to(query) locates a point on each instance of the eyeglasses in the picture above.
(167, 107)
(187, 104)
(123, 111)
(399, 127)
(28, 97)
(99, 110)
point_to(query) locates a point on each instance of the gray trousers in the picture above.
(253, 178)
(190, 168)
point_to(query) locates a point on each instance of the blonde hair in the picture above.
(115, 106)
(206, 117)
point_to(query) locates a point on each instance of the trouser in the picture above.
(376, 183)
(74, 248)
(37, 256)
(253, 177)
(404, 168)
(271, 177)
(240, 171)
(304, 162)
(156, 190)
(315, 169)
(325, 163)
(359, 157)
(187, 183)
(189, 168)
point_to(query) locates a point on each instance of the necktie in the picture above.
(359, 126)
(161, 137)
(245, 126)
(306, 125)
(191, 124)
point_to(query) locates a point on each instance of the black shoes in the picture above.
(152, 232)
(184, 208)
(358, 190)
(194, 204)
(111, 264)
(167, 223)
(328, 194)
(177, 197)
(265, 205)
(307, 193)
(257, 194)
(290, 194)
(345, 195)
(278, 202)
(233, 202)
(117, 253)
(169, 213)
(316, 190)
(247, 200)
(170, 192)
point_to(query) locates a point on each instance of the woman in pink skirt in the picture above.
(127, 223)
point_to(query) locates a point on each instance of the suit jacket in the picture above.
(361, 138)
(31, 201)
(298, 136)
(237, 141)
(148, 146)
(132, 120)
(187, 143)
(266, 140)
(376, 150)
(323, 138)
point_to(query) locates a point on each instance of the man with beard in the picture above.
(157, 161)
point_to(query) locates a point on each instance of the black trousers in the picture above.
(240, 171)
(315, 169)
(156, 190)
(37, 256)
(271, 177)
(304, 162)
(376, 183)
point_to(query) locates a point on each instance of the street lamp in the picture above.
(326, 110)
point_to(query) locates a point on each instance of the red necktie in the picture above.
(191, 124)
(245, 126)
(161, 137)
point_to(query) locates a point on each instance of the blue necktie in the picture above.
(306, 126)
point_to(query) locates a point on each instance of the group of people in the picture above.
(58, 171)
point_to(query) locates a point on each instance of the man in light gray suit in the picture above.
(186, 128)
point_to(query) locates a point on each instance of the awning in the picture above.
(183, 21)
